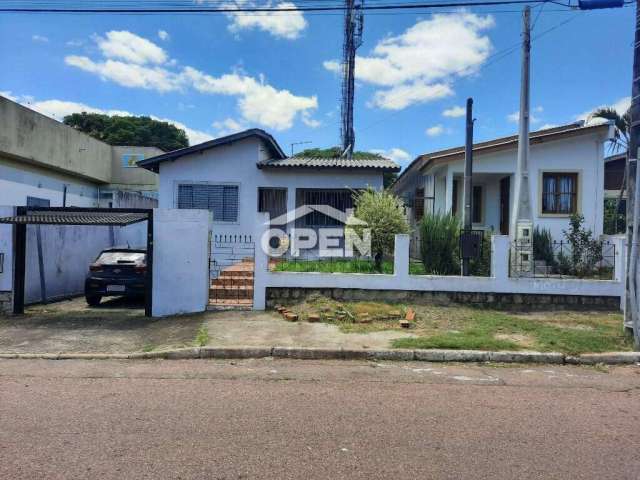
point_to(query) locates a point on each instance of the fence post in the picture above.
(500, 256)
(620, 261)
(401, 256)
(261, 263)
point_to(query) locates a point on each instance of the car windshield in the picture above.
(114, 258)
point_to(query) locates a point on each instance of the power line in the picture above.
(44, 8)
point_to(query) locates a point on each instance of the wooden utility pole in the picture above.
(468, 181)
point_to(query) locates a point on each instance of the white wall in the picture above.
(236, 164)
(582, 154)
(20, 180)
(6, 247)
(180, 261)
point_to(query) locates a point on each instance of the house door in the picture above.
(505, 188)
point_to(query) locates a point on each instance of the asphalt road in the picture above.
(279, 419)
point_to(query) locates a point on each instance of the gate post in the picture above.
(261, 264)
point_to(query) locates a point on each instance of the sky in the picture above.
(221, 73)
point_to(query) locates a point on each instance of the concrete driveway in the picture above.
(116, 326)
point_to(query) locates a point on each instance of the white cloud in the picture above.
(39, 38)
(163, 35)
(258, 102)
(129, 74)
(287, 25)
(621, 106)
(434, 131)
(422, 63)
(74, 43)
(9, 95)
(398, 155)
(332, 66)
(228, 126)
(58, 109)
(454, 112)
(124, 45)
(533, 118)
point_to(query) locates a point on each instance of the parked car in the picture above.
(117, 272)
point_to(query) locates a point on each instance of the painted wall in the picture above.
(582, 154)
(181, 261)
(498, 282)
(235, 164)
(41, 140)
(6, 248)
(141, 178)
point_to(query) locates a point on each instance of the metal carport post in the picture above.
(74, 216)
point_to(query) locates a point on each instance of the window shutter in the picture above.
(230, 203)
(221, 200)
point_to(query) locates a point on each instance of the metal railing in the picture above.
(561, 259)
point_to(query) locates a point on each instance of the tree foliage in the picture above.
(384, 214)
(622, 124)
(334, 152)
(133, 131)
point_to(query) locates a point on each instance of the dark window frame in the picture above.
(262, 208)
(317, 219)
(557, 194)
(478, 203)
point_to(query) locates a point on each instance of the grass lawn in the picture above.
(461, 327)
(342, 265)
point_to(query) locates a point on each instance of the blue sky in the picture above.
(216, 74)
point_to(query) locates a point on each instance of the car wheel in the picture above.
(93, 300)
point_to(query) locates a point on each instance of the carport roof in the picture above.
(66, 216)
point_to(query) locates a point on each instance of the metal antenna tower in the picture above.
(353, 25)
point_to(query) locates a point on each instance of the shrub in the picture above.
(384, 214)
(481, 267)
(543, 246)
(586, 252)
(439, 234)
(614, 217)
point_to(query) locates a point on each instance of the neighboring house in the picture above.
(566, 175)
(45, 163)
(614, 175)
(247, 172)
(43, 159)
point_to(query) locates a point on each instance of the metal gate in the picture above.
(231, 269)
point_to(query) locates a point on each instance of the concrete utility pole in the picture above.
(632, 317)
(521, 216)
(468, 183)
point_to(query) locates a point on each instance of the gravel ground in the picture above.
(285, 419)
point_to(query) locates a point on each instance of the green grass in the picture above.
(343, 266)
(148, 348)
(202, 337)
(480, 331)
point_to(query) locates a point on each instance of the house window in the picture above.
(222, 200)
(418, 204)
(38, 202)
(559, 192)
(339, 199)
(477, 204)
(273, 201)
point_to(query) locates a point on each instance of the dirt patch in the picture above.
(522, 340)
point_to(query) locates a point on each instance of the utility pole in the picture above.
(521, 216)
(631, 314)
(468, 181)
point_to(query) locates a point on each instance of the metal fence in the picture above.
(231, 269)
(562, 259)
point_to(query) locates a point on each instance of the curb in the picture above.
(301, 353)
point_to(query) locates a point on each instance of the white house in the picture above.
(566, 172)
(238, 175)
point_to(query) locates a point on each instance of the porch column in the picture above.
(448, 194)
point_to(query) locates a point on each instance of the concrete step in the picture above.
(233, 272)
(222, 293)
(232, 281)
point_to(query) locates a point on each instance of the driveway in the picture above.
(116, 326)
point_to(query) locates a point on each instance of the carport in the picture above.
(73, 216)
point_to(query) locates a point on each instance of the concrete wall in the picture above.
(235, 164)
(582, 154)
(40, 140)
(181, 261)
(499, 282)
(19, 180)
(6, 247)
(141, 178)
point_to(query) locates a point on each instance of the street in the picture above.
(281, 419)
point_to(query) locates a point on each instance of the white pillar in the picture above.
(401, 256)
(261, 263)
(500, 256)
(448, 194)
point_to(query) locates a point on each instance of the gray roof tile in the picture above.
(375, 163)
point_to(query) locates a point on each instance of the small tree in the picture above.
(384, 214)
(586, 252)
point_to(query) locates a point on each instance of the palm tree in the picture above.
(619, 142)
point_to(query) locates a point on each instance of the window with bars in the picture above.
(559, 192)
(222, 200)
(340, 199)
(272, 200)
(418, 204)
